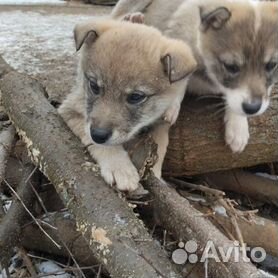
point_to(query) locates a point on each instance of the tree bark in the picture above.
(34, 239)
(180, 218)
(242, 182)
(110, 228)
(197, 143)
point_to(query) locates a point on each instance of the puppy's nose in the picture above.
(100, 135)
(252, 107)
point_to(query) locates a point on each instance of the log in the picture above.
(185, 222)
(110, 228)
(197, 141)
(242, 182)
(10, 226)
(259, 232)
(33, 238)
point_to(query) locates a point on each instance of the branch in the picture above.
(106, 222)
(179, 217)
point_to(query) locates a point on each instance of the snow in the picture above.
(267, 176)
(28, 2)
(30, 41)
(50, 267)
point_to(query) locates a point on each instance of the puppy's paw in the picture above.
(120, 172)
(172, 113)
(135, 18)
(237, 133)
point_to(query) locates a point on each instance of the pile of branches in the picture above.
(54, 203)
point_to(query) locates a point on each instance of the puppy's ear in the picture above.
(88, 32)
(215, 18)
(178, 62)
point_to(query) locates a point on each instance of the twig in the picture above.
(72, 257)
(23, 254)
(99, 271)
(31, 215)
(198, 187)
(7, 136)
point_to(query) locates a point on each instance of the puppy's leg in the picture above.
(125, 7)
(71, 111)
(115, 164)
(237, 131)
(161, 137)
(173, 111)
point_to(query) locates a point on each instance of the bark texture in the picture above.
(110, 228)
(186, 223)
(197, 143)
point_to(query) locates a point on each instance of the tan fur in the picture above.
(248, 38)
(122, 58)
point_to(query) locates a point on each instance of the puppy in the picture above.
(235, 44)
(129, 77)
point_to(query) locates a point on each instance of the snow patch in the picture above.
(50, 267)
(28, 2)
(30, 41)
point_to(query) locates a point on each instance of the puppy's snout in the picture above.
(253, 106)
(100, 135)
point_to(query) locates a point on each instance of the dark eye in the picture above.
(136, 97)
(271, 66)
(94, 87)
(232, 68)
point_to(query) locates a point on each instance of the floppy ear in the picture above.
(88, 32)
(215, 19)
(178, 62)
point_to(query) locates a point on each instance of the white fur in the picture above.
(116, 166)
(237, 131)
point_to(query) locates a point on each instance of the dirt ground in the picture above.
(38, 40)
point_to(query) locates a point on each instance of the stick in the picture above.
(179, 217)
(106, 222)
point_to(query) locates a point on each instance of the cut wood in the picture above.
(259, 232)
(186, 223)
(242, 182)
(33, 238)
(197, 141)
(10, 226)
(110, 228)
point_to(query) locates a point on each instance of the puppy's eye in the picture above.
(232, 68)
(94, 87)
(136, 97)
(271, 66)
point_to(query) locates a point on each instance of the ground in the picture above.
(37, 39)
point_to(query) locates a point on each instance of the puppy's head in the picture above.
(130, 74)
(239, 45)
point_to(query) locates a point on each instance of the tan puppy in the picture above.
(129, 77)
(236, 45)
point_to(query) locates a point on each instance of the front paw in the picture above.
(237, 134)
(172, 113)
(122, 173)
(135, 18)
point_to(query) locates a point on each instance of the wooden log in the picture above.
(113, 233)
(10, 226)
(66, 233)
(197, 141)
(259, 232)
(242, 182)
(185, 222)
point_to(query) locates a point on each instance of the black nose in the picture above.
(252, 107)
(100, 135)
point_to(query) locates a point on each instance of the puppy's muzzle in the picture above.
(100, 135)
(252, 107)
